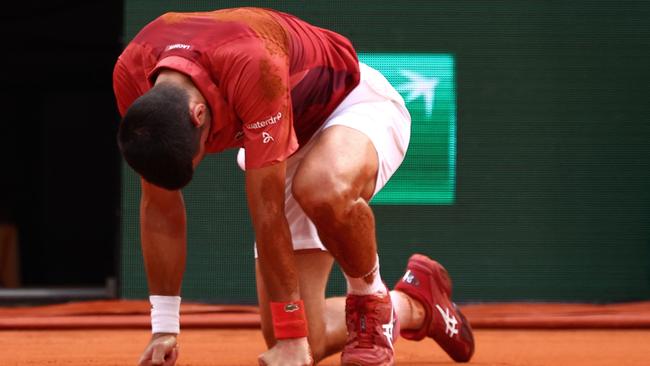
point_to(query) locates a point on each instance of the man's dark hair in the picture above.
(157, 137)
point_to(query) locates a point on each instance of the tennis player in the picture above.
(320, 134)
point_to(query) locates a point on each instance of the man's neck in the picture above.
(174, 77)
(181, 80)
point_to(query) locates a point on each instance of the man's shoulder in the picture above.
(135, 60)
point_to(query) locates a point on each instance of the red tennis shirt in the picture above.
(270, 78)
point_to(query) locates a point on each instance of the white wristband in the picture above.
(165, 314)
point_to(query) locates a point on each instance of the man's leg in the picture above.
(362, 145)
(333, 185)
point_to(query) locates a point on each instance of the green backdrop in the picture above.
(537, 172)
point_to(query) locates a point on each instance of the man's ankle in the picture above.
(410, 311)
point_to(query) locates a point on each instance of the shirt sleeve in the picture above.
(125, 88)
(255, 82)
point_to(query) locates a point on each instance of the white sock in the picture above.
(359, 286)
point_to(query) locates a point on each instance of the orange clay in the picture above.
(232, 347)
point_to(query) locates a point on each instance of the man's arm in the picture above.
(163, 237)
(255, 81)
(265, 192)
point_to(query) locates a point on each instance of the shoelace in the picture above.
(364, 324)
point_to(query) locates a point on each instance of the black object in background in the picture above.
(60, 167)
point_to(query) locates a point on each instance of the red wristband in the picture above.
(289, 320)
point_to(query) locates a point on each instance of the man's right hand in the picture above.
(288, 352)
(161, 351)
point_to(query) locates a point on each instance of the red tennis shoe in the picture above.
(428, 282)
(372, 327)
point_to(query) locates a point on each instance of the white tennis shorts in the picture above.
(377, 110)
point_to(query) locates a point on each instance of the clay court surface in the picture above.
(114, 333)
(240, 347)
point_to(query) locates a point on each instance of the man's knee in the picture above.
(323, 196)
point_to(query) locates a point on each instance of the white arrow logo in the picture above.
(419, 86)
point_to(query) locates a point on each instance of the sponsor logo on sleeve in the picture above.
(267, 122)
